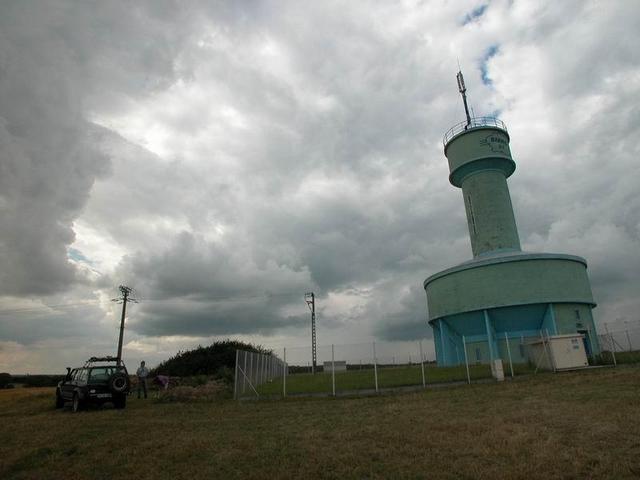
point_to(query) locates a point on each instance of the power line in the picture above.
(48, 307)
(9, 311)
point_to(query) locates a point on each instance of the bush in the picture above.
(218, 360)
(5, 380)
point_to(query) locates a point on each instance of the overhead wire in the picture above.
(36, 309)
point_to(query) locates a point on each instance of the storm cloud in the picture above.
(224, 159)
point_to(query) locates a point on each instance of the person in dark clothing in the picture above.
(142, 374)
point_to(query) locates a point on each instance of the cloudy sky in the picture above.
(224, 158)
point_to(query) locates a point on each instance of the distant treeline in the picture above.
(218, 359)
(9, 381)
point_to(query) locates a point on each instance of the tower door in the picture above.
(587, 343)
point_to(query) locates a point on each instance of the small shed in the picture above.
(558, 352)
(338, 365)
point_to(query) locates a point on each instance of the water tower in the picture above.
(503, 294)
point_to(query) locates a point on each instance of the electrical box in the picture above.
(558, 352)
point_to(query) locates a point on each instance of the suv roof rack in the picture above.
(108, 358)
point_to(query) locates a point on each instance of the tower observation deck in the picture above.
(503, 294)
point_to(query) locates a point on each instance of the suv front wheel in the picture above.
(59, 399)
(120, 401)
(77, 405)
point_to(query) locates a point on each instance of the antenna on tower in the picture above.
(463, 91)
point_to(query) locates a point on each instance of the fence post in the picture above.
(613, 345)
(375, 366)
(244, 378)
(424, 380)
(466, 360)
(254, 371)
(551, 357)
(258, 366)
(284, 376)
(506, 338)
(235, 378)
(333, 371)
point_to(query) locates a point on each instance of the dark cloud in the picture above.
(225, 158)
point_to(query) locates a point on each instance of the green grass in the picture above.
(570, 425)
(388, 377)
(627, 357)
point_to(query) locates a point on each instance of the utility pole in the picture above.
(126, 292)
(312, 306)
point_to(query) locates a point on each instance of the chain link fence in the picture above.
(254, 369)
(357, 369)
(378, 367)
(620, 346)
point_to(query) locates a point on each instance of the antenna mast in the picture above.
(310, 298)
(463, 91)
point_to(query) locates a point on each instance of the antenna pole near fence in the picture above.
(506, 339)
(375, 366)
(333, 371)
(284, 375)
(466, 361)
(424, 380)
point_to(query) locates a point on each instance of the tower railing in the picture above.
(474, 123)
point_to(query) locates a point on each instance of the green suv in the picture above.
(101, 380)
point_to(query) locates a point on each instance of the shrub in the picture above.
(218, 359)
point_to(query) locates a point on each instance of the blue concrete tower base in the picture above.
(487, 334)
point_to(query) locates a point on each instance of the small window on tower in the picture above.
(577, 314)
(478, 356)
(473, 219)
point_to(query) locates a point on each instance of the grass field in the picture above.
(570, 425)
(388, 377)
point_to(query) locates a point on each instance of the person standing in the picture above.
(142, 373)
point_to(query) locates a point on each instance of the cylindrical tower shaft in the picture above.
(492, 225)
(480, 162)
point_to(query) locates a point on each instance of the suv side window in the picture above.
(82, 375)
